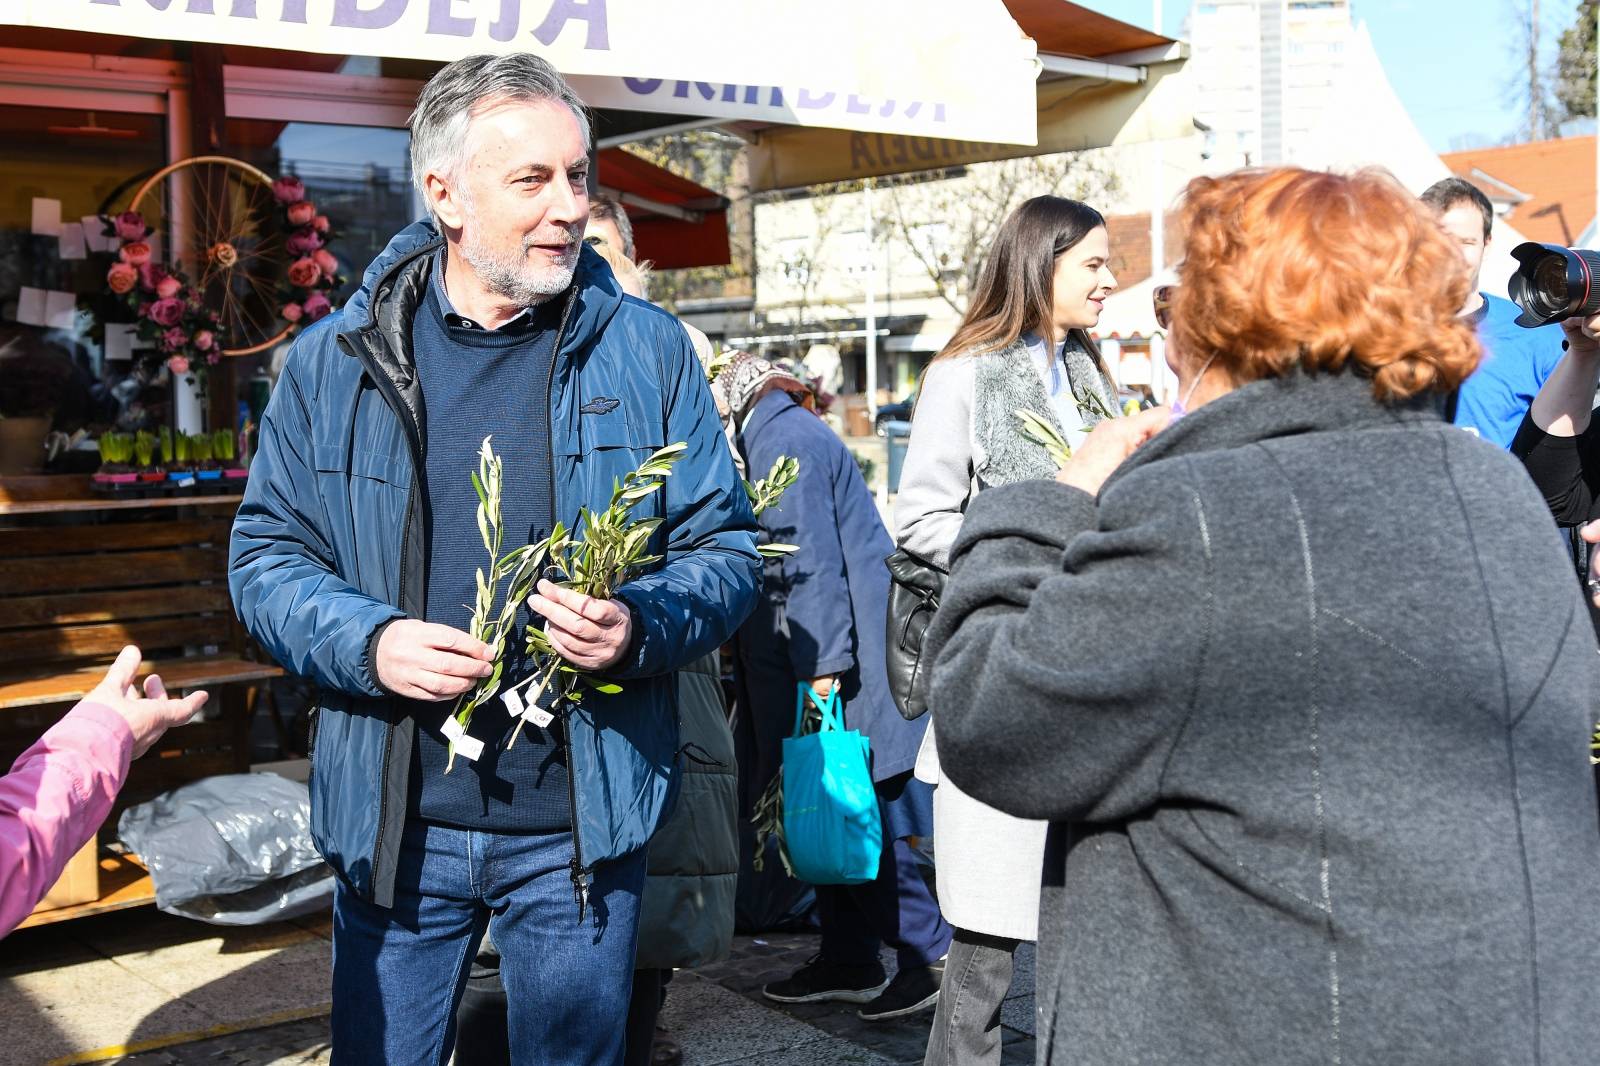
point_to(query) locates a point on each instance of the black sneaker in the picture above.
(912, 990)
(819, 981)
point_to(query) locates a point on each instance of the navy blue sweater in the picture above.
(478, 383)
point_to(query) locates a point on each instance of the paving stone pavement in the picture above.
(717, 1013)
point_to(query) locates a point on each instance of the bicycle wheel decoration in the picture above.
(248, 262)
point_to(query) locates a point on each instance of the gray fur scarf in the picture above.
(1006, 382)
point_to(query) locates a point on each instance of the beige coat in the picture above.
(989, 863)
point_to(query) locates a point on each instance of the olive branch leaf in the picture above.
(1042, 433)
(603, 552)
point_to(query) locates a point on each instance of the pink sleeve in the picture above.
(55, 797)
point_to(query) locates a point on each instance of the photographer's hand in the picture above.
(1590, 532)
(1562, 407)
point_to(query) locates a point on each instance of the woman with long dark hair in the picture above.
(1023, 345)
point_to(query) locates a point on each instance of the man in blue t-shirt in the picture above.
(1516, 361)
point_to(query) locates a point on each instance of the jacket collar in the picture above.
(376, 323)
(769, 407)
(1290, 406)
(393, 285)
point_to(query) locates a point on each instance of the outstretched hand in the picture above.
(1108, 445)
(150, 713)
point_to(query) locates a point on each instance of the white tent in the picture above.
(1368, 126)
(1130, 316)
(1129, 313)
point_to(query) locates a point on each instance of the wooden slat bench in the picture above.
(75, 587)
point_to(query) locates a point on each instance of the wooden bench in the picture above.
(75, 587)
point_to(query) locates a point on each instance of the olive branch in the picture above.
(718, 363)
(598, 556)
(766, 818)
(490, 623)
(1042, 433)
(766, 493)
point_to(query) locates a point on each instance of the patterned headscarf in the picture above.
(743, 380)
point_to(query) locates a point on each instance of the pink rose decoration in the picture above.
(166, 312)
(136, 253)
(289, 190)
(204, 340)
(174, 338)
(129, 226)
(168, 287)
(121, 278)
(292, 312)
(304, 272)
(301, 213)
(178, 364)
(213, 358)
(321, 224)
(150, 275)
(316, 305)
(303, 242)
(326, 263)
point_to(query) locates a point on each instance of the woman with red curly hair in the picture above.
(1301, 680)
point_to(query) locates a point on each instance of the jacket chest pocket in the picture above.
(364, 497)
(604, 451)
(608, 432)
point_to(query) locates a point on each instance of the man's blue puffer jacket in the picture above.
(327, 547)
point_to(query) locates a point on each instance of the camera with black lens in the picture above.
(1553, 283)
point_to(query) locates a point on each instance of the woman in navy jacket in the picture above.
(819, 620)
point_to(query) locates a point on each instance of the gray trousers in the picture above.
(966, 1024)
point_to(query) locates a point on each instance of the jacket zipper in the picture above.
(391, 395)
(582, 876)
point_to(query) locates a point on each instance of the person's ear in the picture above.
(444, 197)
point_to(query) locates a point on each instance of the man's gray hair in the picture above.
(465, 87)
(605, 209)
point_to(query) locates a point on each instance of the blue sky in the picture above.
(1451, 61)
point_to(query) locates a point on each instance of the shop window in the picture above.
(359, 176)
(65, 165)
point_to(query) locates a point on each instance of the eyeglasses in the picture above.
(1162, 296)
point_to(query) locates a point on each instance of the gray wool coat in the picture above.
(1306, 695)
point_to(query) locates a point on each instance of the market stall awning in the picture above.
(949, 68)
(676, 223)
(1102, 82)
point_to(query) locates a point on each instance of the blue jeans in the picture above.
(398, 974)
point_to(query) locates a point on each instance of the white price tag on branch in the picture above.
(469, 748)
(538, 715)
(513, 701)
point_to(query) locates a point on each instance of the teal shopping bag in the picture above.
(830, 809)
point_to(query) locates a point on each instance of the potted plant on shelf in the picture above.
(206, 471)
(116, 463)
(144, 453)
(106, 444)
(180, 470)
(224, 446)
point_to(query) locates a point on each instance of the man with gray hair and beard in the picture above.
(357, 550)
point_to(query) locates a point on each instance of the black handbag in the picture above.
(915, 585)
